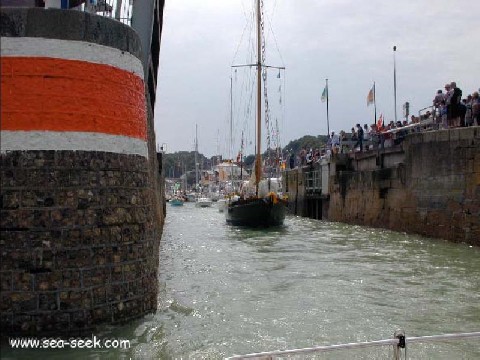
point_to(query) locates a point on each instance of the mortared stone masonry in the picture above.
(80, 227)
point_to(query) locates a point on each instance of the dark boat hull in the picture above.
(258, 212)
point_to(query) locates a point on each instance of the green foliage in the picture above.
(307, 142)
(249, 161)
(176, 164)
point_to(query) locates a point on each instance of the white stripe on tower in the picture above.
(71, 50)
(71, 140)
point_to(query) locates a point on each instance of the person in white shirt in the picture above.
(335, 142)
(366, 133)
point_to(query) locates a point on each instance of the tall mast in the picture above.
(196, 161)
(241, 160)
(231, 133)
(375, 104)
(185, 179)
(258, 158)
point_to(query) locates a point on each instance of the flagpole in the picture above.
(328, 123)
(374, 104)
(395, 82)
(241, 160)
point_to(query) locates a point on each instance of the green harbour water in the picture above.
(225, 290)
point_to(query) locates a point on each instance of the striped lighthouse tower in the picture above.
(71, 95)
(80, 225)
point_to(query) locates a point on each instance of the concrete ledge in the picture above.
(464, 134)
(429, 136)
(13, 21)
(442, 135)
(69, 25)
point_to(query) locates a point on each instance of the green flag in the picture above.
(325, 94)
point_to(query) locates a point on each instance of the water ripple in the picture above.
(225, 290)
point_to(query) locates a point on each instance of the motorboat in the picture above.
(176, 201)
(203, 202)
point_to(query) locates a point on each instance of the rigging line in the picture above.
(240, 93)
(274, 8)
(271, 136)
(248, 113)
(251, 48)
(248, 23)
(239, 43)
(250, 45)
(245, 102)
(245, 98)
(248, 80)
(264, 74)
(244, 10)
(248, 110)
(276, 43)
(284, 106)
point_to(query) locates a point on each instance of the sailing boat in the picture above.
(201, 201)
(261, 205)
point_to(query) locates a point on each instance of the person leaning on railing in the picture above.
(476, 108)
(374, 136)
(438, 105)
(468, 110)
(454, 109)
(360, 134)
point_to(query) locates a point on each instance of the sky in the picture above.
(349, 42)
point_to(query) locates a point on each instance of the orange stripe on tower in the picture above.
(46, 94)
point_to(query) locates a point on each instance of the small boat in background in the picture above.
(203, 202)
(221, 205)
(176, 201)
(191, 197)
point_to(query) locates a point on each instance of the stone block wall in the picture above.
(81, 196)
(77, 228)
(435, 191)
(443, 178)
(293, 183)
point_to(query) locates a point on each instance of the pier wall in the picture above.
(429, 185)
(295, 188)
(81, 185)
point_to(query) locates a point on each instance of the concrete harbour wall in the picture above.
(81, 204)
(430, 185)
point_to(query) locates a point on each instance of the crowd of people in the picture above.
(449, 110)
(453, 111)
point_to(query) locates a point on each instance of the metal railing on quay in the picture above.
(399, 343)
(120, 10)
(429, 109)
(313, 181)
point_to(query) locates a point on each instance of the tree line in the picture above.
(178, 163)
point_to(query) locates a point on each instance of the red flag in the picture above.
(371, 96)
(380, 122)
